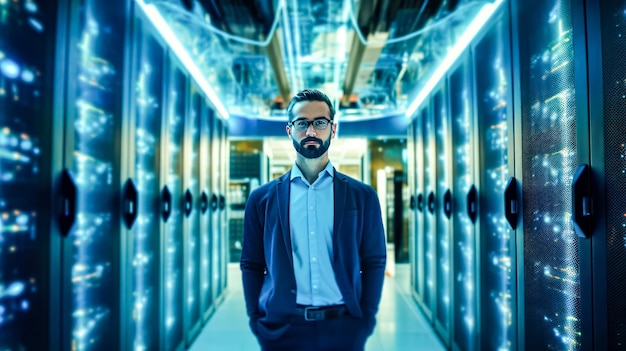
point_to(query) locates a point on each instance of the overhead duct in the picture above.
(275, 55)
(365, 22)
(375, 20)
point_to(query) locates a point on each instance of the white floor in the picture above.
(400, 324)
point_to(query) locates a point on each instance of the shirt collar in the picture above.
(296, 172)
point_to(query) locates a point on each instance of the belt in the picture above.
(318, 313)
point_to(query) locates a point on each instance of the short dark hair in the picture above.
(310, 95)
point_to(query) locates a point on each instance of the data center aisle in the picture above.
(400, 325)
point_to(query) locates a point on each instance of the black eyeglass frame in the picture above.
(309, 123)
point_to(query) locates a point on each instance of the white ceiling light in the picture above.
(183, 55)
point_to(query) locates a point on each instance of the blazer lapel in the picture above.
(282, 190)
(340, 186)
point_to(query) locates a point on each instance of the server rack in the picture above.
(32, 42)
(463, 211)
(172, 206)
(223, 171)
(552, 135)
(430, 230)
(443, 212)
(92, 252)
(105, 150)
(218, 205)
(550, 148)
(605, 22)
(474, 151)
(420, 206)
(495, 155)
(411, 180)
(206, 226)
(141, 192)
(192, 214)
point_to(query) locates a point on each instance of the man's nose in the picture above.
(310, 130)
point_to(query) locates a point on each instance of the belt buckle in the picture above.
(312, 309)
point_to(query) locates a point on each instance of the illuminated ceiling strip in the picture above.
(179, 50)
(453, 54)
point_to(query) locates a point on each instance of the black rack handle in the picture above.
(214, 202)
(68, 191)
(129, 201)
(222, 202)
(431, 202)
(447, 203)
(204, 202)
(166, 203)
(510, 202)
(472, 203)
(188, 203)
(412, 204)
(420, 202)
(582, 214)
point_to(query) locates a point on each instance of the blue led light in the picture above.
(9, 68)
(31, 6)
(28, 76)
(36, 24)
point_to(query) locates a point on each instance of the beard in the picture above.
(311, 151)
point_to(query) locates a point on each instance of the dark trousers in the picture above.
(339, 334)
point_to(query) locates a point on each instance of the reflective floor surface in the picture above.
(401, 326)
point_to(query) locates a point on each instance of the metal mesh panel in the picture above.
(421, 219)
(463, 248)
(429, 219)
(614, 61)
(443, 223)
(492, 92)
(551, 259)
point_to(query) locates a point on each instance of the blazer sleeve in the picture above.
(252, 262)
(373, 252)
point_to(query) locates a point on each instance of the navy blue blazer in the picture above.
(359, 250)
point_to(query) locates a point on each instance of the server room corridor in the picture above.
(132, 133)
(400, 324)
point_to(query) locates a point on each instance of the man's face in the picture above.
(311, 142)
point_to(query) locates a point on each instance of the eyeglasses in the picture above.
(303, 124)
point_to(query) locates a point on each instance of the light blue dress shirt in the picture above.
(311, 218)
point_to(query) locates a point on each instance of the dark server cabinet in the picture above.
(223, 183)
(218, 207)
(143, 190)
(427, 238)
(551, 141)
(206, 223)
(192, 215)
(493, 126)
(606, 22)
(420, 207)
(93, 254)
(172, 211)
(411, 179)
(443, 212)
(463, 208)
(30, 144)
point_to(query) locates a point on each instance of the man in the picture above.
(313, 257)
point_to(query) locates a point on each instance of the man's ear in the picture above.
(288, 130)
